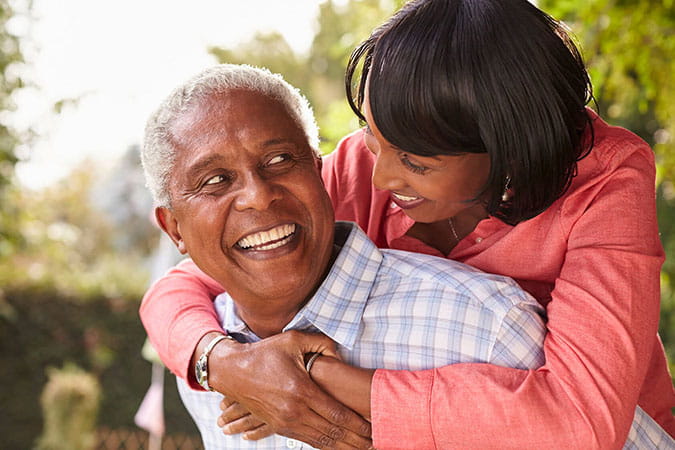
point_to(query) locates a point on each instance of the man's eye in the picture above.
(215, 180)
(278, 159)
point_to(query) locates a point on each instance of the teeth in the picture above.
(404, 198)
(269, 239)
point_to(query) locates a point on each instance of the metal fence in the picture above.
(128, 439)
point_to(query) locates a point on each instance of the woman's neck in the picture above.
(444, 235)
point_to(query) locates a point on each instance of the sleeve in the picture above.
(602, 322)
(176, 312)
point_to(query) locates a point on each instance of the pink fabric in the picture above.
(177, 311)
(593, 259)
(150, 415)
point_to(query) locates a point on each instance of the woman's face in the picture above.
(428, 189)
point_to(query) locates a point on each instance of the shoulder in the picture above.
(614, 151)
(448, 280)
(350, 155)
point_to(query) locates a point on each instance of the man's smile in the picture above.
(268, 239)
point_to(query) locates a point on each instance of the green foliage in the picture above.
(70, 404)
(320, 73)
(66, 242)
(41, 328)
(10, 56)
(629, 46)
(10, 82)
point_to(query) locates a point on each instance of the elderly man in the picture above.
(230, 159)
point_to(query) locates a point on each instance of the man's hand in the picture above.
(269, 380)
(236, 419)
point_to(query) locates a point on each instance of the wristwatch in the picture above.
(202, 365)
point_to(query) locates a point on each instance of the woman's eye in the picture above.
(412, 166)
(215, 180)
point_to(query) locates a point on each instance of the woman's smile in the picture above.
(406, 201)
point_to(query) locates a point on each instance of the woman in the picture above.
(481, 150)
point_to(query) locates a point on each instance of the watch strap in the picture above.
(202, 365)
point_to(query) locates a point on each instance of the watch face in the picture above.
(201, 374)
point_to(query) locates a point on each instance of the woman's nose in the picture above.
(386, 172)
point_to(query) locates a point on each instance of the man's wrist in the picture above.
(202, 354)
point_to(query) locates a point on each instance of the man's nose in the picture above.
(256, 192)
(387, 172)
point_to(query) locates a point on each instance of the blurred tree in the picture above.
(10, 81)
(629, 47)
(319, 74)
(10, 56)
(72, 245)
(70, 404)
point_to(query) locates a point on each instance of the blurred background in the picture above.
(77, 247)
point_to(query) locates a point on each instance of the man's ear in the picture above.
(168, 223)
(318, 162)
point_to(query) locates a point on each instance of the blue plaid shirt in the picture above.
(399, 310)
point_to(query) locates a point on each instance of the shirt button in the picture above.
(479, 240)
(291, 443)
(393, 205)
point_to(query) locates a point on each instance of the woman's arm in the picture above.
(602, 323)
(177, 311)
(350, 385)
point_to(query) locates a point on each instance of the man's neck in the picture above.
(265, 322)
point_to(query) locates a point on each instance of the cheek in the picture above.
(203, 226)
(370, 142)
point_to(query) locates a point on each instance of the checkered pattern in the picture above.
(399, 310)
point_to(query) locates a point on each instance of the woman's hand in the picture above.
(269, 380)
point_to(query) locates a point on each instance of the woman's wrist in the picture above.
(348, 384)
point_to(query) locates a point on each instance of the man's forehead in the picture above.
(217, 115)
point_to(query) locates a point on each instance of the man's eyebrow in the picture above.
(272, 142)
(198, 166)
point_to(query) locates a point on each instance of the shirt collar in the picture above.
(336, 308)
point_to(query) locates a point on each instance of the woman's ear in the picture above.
(168, 223)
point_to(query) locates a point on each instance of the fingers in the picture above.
(259, 433)
(236, 419)
(226, 401)
(339, 416)
(319, 432)
(313, 343)
(242, 425)
(329, 424)
(269, 380)
(334, 438)
(231, 412)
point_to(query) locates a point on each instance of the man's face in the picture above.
(248, 202)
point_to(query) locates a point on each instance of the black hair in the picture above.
(447, 77)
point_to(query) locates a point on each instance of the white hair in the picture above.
(159, 152)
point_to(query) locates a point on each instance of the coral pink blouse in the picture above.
(592, 259)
